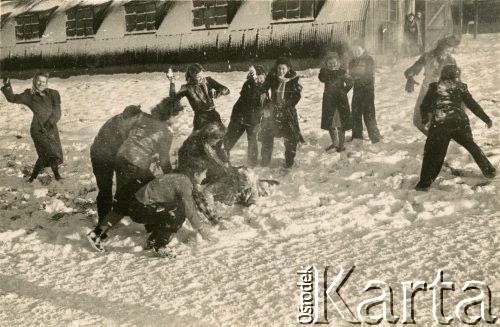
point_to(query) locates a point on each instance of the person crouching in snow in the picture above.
(247, 113)
(442, 109)
(45, 104)
(162, 205)
(280, 118)
(148, 142)
(362, 71)
(200, 91)
(103, 153)
(336, 114)
(201, 146)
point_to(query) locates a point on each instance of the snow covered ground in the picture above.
(355, 208)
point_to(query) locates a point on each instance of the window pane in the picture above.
(71, 14)
(150, 26)
(89, 31)
(129, 9)
(221, 2)
(198, 3)
(306, 9)
(70, 25)
(80, 14)
(80, 32)
(80, 24)
(210, 3)
(151, 18)
(150, 7)
(292, 4)
(70, 32)
(34, 19)
(220, 11)
(221, 20)
(19, 32)
(140, 8)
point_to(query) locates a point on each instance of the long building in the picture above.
(131, 32)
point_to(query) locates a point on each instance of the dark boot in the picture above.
(36, 170)
(55, 170)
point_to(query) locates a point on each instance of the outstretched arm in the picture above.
(416, 68)
(164, 152)
(22, 98)
(474, 106)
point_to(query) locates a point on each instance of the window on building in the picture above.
(28, 27)
(212, 13)
(80, 22)
(141, 16)
(295, 9)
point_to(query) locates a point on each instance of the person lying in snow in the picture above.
(148, 142)
(162, 205)
(200, 90)
(240, 186)
(45, 104)
(432, 62)
(246, 114)
(443, 112)
(103, 154)
(336, 113)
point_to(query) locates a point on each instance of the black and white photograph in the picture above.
(249, 162)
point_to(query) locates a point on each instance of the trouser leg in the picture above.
(266, 151)
(357, 122)
(130, 179)
(434, 154)
(371, 124)
(233, 134)
(465, 139)
(253, 148)
(55, 170)
(417, 114)
(290, 151)
(103, 172)
(341, 133)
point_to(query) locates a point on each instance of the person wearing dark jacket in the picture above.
(280, 117)
(247, 113)
(200, 92)
(162, 205)
(201, 146)
(45, 104)
(362, 71)
(442, 109)
(432, 63)
(103, 154)
(336, 114)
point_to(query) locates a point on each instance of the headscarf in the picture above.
(34, 89)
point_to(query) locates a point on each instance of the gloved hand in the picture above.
(410, 84)
(489, 123)
(6, 81)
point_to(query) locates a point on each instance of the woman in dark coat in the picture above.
(45, 104)
(280, 118)
(336, 114)
(200, 92)
(247, 113)
(442, 108)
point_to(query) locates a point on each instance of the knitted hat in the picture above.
(259, 70)
(284, 61)
(448, 42)
(131, 111)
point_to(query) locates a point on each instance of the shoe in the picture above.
(331, 147)
(490, 174)
(96, 241)
(165, 252)
(340, 149)
(422, 188)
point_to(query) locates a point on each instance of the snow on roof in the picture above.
(343, 11)
(16, 8)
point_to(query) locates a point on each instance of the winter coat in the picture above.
(46, 108)
(283, 120)
(362, 71)
(432, 65)
(194, 149)
(200, 97)
(442, 104)
(170, 192)
(335, 97)
(248, 108)
(109, 139)
(147, 139)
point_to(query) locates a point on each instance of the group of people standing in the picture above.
(414, 34)
(130, 143)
